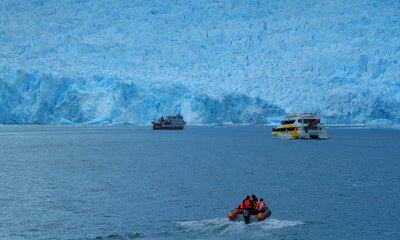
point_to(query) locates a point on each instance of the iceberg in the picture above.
(215, 62)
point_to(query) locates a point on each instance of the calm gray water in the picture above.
(125, 182)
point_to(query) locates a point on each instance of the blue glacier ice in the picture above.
(233, 61)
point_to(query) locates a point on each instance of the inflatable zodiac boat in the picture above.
(236, 215)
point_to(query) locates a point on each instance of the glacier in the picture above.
(215, 62)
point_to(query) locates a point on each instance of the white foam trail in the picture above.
(222, 226)
(270, 224)
(204, 225)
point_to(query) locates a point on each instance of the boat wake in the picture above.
(218, 228)
(222, 227)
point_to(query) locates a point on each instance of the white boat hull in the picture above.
(314, 134)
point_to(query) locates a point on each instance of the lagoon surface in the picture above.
(126, 182)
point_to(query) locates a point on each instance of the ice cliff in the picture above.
(99, 62)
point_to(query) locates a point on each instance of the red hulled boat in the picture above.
(173, 122)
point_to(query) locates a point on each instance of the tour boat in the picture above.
(173, 122)
(236, 215)
(297, 126)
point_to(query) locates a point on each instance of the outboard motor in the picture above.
(246, 216)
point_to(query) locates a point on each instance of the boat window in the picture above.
(284, 122)
(309, 120)
(300, 120)
(283, 129)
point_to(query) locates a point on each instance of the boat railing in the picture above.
(308, 115)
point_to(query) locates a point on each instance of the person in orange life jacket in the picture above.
(246, 208)
(261, 206)
(241, 207)
(246, 204)
(255, 202)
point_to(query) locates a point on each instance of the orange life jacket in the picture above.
(264, 207)
(255, 205)
(247, 204)
(241, 207)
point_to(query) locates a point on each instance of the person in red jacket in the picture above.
(247, 208)
(261, 206)
(247, 203)
(241, 207)
(255, 204)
